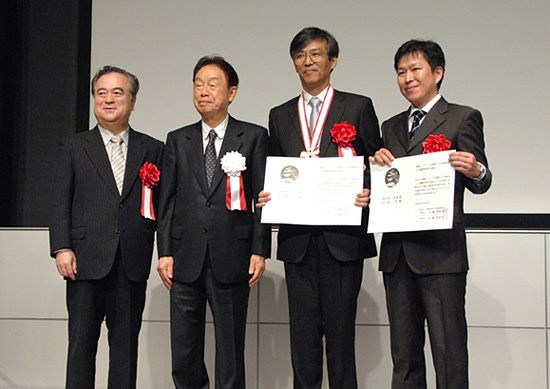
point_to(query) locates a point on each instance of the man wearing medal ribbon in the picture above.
(425, 271)
(323, 264)
(102, 230)
(212, 246)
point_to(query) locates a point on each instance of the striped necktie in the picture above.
(418, 115)
(118, 161)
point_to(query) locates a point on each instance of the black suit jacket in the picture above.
(89, 215)
(345, 243)
(436, 251)
(194, 218)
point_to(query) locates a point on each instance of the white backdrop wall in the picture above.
(497, 55)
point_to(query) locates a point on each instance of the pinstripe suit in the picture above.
(112, 243)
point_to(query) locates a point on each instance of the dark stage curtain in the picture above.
(44, 89)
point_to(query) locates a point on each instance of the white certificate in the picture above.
(313, 191)
(416, 193)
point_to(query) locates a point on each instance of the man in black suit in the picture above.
(323, 264)
(101, 242)
(212, 246)
(425, 271)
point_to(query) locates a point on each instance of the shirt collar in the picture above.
(107, 135)
(427, 107)
(321, 95)
(220, 129)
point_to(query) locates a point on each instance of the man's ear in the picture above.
(232, 93)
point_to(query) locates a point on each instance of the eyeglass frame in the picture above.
(302, 55)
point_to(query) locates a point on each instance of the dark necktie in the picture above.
(315, 103)
(418, 115)
(210, 157)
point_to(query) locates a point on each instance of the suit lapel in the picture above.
(134, 160)
(232, 141)
(337, 108)
(294, 119)
(396, 134)
(95, 148)
(433, 120)
(193, 145)
(402, 131)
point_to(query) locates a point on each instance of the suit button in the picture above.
(208, 204)
(205, 230)
(117, 231)
(121, 205)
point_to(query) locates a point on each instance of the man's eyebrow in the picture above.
(115, 88)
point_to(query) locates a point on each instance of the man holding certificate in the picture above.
(323, 264)
(425, 271)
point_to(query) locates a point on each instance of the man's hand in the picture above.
(165, 269)
(66, 263)
(465, 163)
(363, 199)
(263, 198)
(256, 269)
(382, 157)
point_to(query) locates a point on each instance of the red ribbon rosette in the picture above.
(150, 177)
(436, 143)
(344, 134)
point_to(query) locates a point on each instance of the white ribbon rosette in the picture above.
(233, 163)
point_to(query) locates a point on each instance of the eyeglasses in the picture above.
(314, 55)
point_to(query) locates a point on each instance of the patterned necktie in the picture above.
(418, 115)
(315, 103)
(117, 161)
(210, 157)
